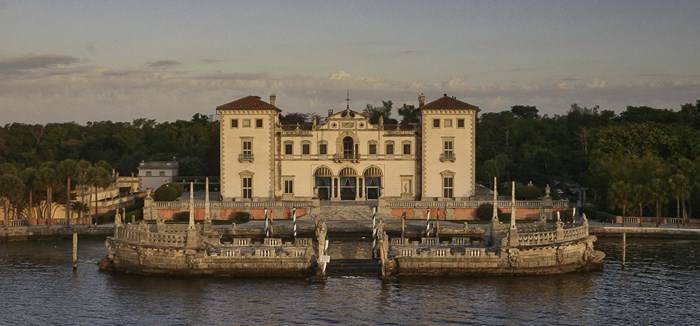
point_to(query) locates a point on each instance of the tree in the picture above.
(408, 114)
(384, 111)
(680, 188)
(82, 178)
(524, 111)
(67, 170)
(10, 193)
(294, 118)
(46, 176)
(98, 176)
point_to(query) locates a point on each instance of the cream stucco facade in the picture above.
(347, 157)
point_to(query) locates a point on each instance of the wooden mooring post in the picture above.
(75, 251)
(624, 249)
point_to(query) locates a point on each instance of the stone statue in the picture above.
(547, 190)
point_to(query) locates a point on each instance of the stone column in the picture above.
(357, 186)
(207, 216)
(191, 222)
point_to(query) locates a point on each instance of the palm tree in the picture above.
(620, 196)
(11, 193)
(46, 175)
(98, 177)
(680, 187)
(659, 193)
(68, 169)
(83, 167)
(29, 179)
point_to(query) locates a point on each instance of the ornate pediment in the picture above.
(347, 119)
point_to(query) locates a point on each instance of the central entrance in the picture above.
(348, 184)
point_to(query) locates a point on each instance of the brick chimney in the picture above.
(273, 98)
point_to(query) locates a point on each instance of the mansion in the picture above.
(347, 158)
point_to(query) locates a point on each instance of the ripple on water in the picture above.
(659, 285)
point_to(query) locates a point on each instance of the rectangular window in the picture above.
(246, 123)
(148, 173)
(258, 123)
(448, 148)
(389, 148)
(234, 123)
(288, 186)
(289, 148)
(448, 123)
(161, 173)
(323, 149)
(305, 149)
(447, 184)
(460, 123)
(407, 149)
(372, 149)
(436, 123)
(247, 147)
(247, 187)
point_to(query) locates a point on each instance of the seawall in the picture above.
(646, 232)
(22, 233)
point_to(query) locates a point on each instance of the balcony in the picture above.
(246, 157)
(447, 156)
(353, 157)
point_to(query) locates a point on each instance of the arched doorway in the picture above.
(373, 182)
(348, 148)
(322, 182)
(348, 184)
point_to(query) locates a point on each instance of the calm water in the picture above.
(661, 285)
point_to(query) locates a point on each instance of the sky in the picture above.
(85, 61)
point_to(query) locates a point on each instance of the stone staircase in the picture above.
(346, 212)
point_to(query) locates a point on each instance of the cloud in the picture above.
(236, 76)
(10, 65)
(164, 64)
(340, 75)
(209, 60)
(63, 89)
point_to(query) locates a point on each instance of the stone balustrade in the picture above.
(552, 237)
(472, 204)
(442, 252)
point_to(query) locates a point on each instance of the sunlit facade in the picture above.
(347, 158)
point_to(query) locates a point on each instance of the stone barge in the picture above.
(538, 248)
(197, 250)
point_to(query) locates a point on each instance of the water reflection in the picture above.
(659, 285)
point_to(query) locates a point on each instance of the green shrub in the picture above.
(241, 217)
(182, 217)
(168, 192)
(528, 192)
(484, 211)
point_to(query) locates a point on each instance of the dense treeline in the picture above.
(637, 160)
(194, 143)
(641, 159)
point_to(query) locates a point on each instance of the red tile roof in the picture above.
(248, 103)
(447, 102)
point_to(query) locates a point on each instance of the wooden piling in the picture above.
(75, 251)
(624, 249)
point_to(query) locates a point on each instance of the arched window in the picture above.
(348, 148)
